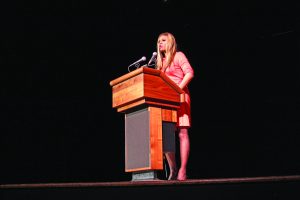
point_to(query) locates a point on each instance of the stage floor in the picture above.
(292, 178)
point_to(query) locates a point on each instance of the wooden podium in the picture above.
(149, 100)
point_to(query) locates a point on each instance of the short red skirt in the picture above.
(184, 113)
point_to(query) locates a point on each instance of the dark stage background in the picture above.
(58, 57)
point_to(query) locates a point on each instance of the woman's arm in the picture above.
(186, 79)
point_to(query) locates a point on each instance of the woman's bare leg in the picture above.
(184, 142)
(172, 165)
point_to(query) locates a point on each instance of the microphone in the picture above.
(154, 54)
(137, 63)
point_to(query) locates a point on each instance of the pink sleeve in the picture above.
(184, 63)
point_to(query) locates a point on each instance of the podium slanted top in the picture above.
(145, 86)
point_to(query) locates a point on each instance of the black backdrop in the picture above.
(58, 57)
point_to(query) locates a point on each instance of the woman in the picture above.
(177, 67)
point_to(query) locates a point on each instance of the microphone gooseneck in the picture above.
(137, 63)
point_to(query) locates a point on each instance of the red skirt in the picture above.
(184, 113)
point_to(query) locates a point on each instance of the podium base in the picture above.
(144, 176)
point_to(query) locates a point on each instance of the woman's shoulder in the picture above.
(180, 55)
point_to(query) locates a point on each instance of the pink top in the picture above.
(179, 67)
(176, 72)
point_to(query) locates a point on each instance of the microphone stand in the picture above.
(137, 65)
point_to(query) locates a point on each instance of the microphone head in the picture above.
(154, 54)
(143, 58)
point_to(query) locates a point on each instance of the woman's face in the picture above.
(162, 42)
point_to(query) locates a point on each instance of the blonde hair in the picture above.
(171, 48)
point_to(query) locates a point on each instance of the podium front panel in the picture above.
(137, 137)
(143, 139)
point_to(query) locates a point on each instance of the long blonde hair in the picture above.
(171, 48)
